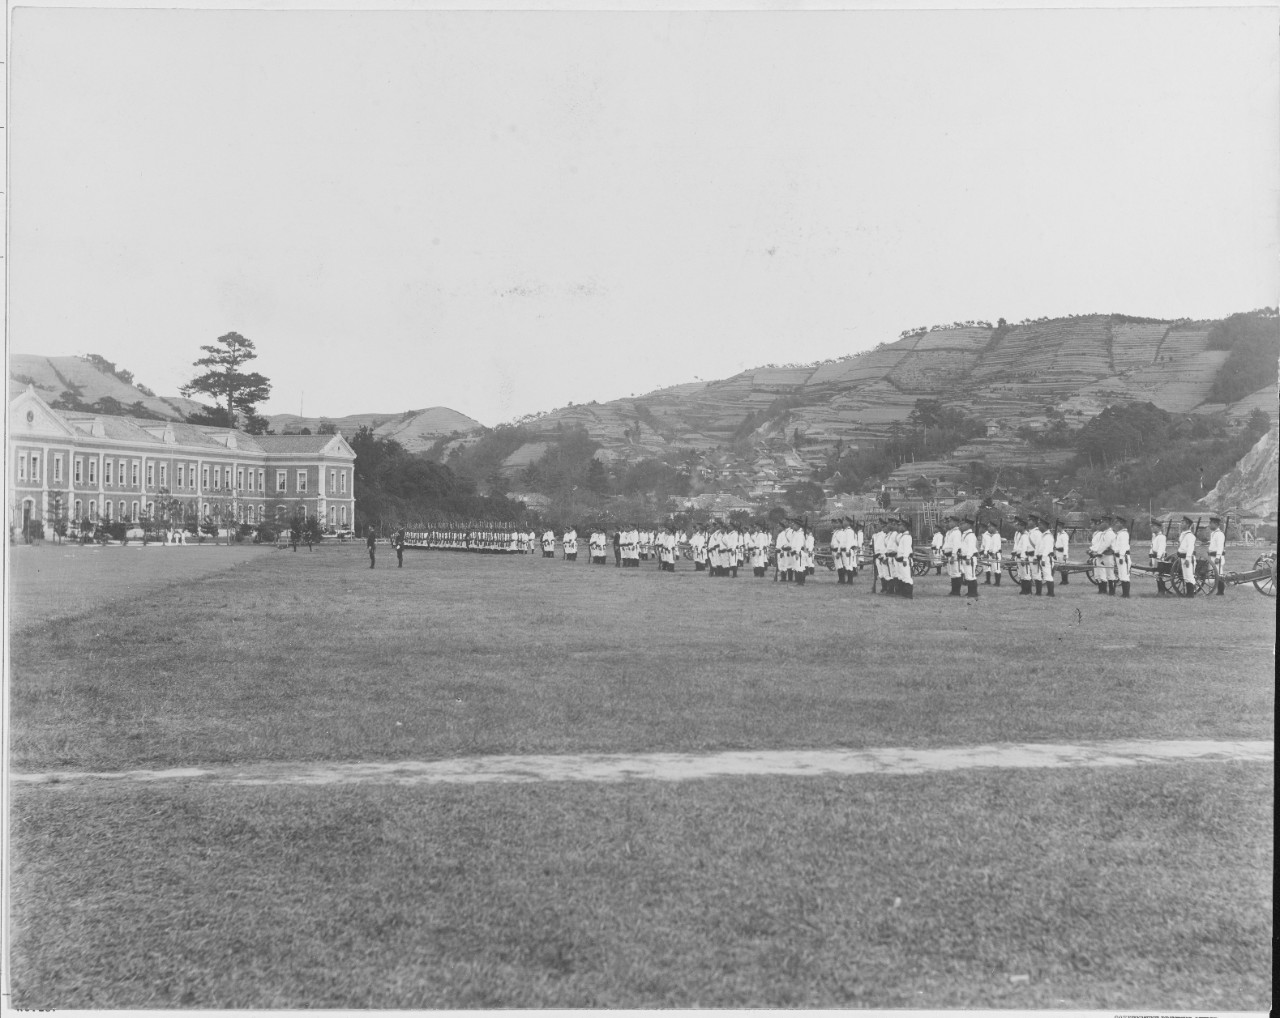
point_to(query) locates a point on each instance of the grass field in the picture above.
(1147, 886)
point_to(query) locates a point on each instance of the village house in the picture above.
(84, 466)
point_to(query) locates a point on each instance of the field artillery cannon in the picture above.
(1262, 575)
(1092, 569)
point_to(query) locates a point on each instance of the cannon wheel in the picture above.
(1266, 585)
(1093, 573)
(1012, 569)
(919, 566)
(1163, 581)
(1203, 579)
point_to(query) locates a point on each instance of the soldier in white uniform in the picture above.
(855, 543)
(1096, 544)
(990, 549)
(967, 556)
(760, 544)
(629, 544)
(950, 555)
(1120, 545)
(570, 542)
(732, 546)
(715, 550)
(1108, 542)
(1218, 553)
(1187, 556)
(879, 567)
(935, 550)
(1061, 551)
(1020, 552)
(782, 553)
(1044, 560)
(889, 585)
(598, 542)
(549, 544)
(842, 551)
(905, 585)
(667, 550)
(1156, 552)
(807, 561)
(698, 550)
(1032, 557)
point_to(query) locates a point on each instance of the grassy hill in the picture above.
(1009, 376)
(96, 383)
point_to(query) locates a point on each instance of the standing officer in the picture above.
(1044, 559)
(967, 556)
(1121, 547)
(371, 541)
(842, 550)
(1187, 556)
(950, 553)
(992, 543)
(878, 566)
(398, 543)
(1109, 552)
(1033, 551)
(1020, 544)
(905, 582)
(1062, 551)
(935, 549)
(1218, 553)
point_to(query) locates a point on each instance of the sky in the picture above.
(503, 212)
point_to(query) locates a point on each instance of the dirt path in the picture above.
(685, 766)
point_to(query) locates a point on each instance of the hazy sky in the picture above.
(503, 212)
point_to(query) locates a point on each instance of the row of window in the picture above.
(337, 515)
(251, 480)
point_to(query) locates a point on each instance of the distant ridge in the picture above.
(1008, 375)
(416, 430)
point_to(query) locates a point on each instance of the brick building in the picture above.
(98, 467)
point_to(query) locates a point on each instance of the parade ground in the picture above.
(244, 777)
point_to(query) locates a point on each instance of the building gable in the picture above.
(30, 417)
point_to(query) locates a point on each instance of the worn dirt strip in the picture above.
(682, 766)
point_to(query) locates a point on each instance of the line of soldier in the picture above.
(477, 538)
(963, 547)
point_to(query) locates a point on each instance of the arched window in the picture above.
(79, 508)
(106, 510)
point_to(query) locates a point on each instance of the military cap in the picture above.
(1187, 521)
(1215, 519)
(1020, 521)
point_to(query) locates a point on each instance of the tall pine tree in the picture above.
(236, 393)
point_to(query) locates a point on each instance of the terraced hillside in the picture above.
(1008, 377)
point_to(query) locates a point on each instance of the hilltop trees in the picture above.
(236, 392)
(394, 488)
(1254, 341)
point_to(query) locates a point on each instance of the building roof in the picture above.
(180, 434)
